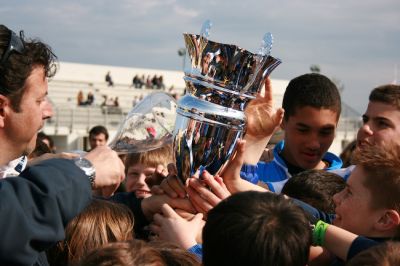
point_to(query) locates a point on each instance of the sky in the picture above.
(354, 42)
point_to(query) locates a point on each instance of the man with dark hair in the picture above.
(98, 136)
(312, 108)
(36, 205)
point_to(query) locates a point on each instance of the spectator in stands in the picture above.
(80, 99)
(90, 98)
(109, 80)
(98, 136)
(116, 102)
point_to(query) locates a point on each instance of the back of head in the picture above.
(347, 153)
(96, 130)
(100, 223)
(312, 90)
(386, 254)
(129, 253)
(388, 94)
(315, 187)
(18, 60)
(174, 255)
(254, 228)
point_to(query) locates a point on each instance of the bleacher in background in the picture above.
(70, 124)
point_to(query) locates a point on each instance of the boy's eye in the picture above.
(383, 124)
(303, 130)
(326, 132)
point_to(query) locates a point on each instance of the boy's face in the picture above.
(136, 180)
(354, 210)
(97, 140)
(381, 124)
(308, 135)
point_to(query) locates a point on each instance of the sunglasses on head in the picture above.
(16, 45)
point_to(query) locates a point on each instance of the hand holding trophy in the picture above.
(220, 82)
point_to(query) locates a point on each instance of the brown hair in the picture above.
(388, 94)
(386, 254)
(381, 166)
(129, 253)
(151, 158)
(100, 223)
(174, 255)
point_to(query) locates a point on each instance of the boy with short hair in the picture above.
(255, 228)
(315, 187)
(146, 169)
(312, 108)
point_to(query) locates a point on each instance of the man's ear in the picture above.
(4, 102)
(390, 220)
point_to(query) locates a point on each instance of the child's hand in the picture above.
(171, 227)
(262, 119)
(207, 192)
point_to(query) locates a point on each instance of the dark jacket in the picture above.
(36, 206)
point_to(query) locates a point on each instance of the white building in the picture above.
(70, 125)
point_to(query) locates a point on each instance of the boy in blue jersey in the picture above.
(312, 108)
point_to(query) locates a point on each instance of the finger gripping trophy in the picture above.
(220, 81)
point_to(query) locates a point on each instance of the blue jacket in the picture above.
(36, 206)
(275, 173)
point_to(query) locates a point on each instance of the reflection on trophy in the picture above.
(221, 79)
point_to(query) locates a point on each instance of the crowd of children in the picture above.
(299, 206)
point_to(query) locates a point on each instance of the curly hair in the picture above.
(18, 67)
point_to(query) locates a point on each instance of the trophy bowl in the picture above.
(148, 126)
(221, 79)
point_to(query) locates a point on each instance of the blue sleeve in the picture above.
(197, 250)
(314, 213)
(249, 173)
(359, 244)
(36, 206)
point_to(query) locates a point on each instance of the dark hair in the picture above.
(347, 153)
(40, 149)
(315, 187)
(174, 255)
(314, 90)
(255, 228)
(386, 254)
(388, 94)
(96, 130)
(129, 253)
(18, 67)
(42, 136)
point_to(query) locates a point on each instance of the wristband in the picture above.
(319, 233)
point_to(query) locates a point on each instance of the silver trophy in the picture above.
(221, 79)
